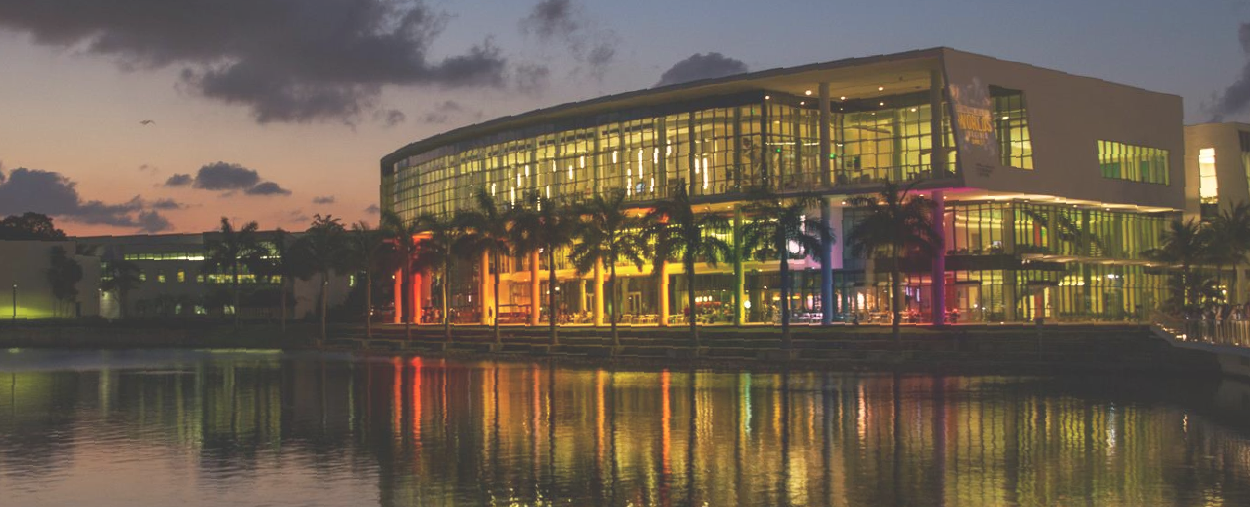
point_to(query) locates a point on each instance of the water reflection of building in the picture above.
(422, 430)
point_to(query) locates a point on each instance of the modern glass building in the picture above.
(1050, 187)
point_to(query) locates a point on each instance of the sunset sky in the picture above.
(309, 94)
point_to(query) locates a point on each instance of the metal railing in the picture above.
(1229, 332)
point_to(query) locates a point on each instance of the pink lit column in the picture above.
(938, 276)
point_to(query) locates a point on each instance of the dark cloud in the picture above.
(267, 188)
(373, 209)
(224, 176)
(564, 21)
(323, 199)
(1236, 96)
(166, 204)
(443, 112)
(701, 66)
(53, 194)
(150, 169)
(179, 180)
(391, 117)
(298, 217)
(286, 60)
(531, 79)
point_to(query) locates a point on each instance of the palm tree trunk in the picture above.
(552, 313)
(368, 304)
(896, 299)
(612, 303)
(690, 299)
(785, 298)
(446, 306)
(235, 272)
(498, 337)
(282, 301)
(325, 279)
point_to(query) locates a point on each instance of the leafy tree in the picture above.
(437, 253)
(487, 227)
(545, 225)
(607, 234)
(233, 251)
(367, 248)
(677, 232)
(29, 226)
(121, 276)
(402, 236)
(781, 229)
(323, 248)
(64, 275)
(895, 224)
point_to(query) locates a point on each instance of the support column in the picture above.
(664, 293)
(416, 298)
(938, 276)
(536, 298)
(826, 170)
(739, 276)
(399, 296)
(599, 293)
(581, 296)
(482, 288)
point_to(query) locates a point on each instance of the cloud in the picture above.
(531, 79)
(444, 112)
(284, 60)
(267, 188)
(150, 169)
(323, 199)
(373, 209)
(227, 177)
(166, 204)
(298, 217)
(1236, 96)
(564, 21)
(179, 180)
(53, 194)
(701, 66)
(223, 176)
(390, 117)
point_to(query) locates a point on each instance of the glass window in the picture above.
(1011, 126)
(1133, 163)
(182, 276)
(1208, 186)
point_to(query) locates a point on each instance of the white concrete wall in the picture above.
(26, 263)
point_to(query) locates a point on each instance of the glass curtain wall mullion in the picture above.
(1141, 164)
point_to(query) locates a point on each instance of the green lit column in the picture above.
(739, 278)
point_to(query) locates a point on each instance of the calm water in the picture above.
(248, 428)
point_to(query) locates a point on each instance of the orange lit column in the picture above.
(416, 298)
(483, 287)
(535, 290)
(399, 296)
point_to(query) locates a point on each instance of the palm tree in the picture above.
(278, 262)
(438, 252)
(402, 234)
(64, 275)
(607, 234)
(234, 250)
(677, 231)
(323, 248)
(780, 229)
(545, 225)
(1230, 240)
(1184, 243)
(895, 224)
(121, 276)
(487, 228)
(366, 248)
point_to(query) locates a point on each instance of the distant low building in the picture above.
(174, 283)
(28, 289)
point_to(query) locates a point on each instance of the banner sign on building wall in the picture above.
(974, 126)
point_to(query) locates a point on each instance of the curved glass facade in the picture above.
(723, 146)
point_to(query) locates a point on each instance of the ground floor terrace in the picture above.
(1004, 260)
